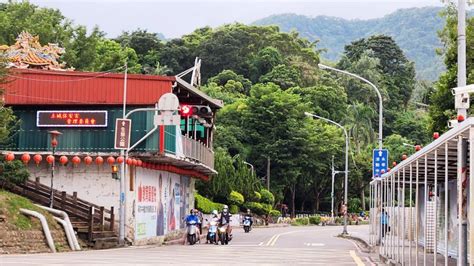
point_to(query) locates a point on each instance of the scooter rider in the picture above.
(190, 218)
(248, 216)
(215, 219)
(224, 219)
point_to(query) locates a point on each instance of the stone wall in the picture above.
(30, 241)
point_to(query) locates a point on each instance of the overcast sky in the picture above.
(175, 18)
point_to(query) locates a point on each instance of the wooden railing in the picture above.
(95, 218)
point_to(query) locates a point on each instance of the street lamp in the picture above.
(251, 166)
(346, 170)
(54, 143)
(373, 86)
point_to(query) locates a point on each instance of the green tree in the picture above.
(282, 75)
(110, 55)
(359, 123)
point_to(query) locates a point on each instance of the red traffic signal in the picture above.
(186, 110)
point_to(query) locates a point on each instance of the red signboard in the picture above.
(70, 118)
(122, 133)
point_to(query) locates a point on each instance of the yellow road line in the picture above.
(274, 240)
(270, 241)
(357, 260)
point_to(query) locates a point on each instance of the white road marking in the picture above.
(274, 238)
(261, 243)
(314, 244)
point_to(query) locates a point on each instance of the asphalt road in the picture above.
(314, 245)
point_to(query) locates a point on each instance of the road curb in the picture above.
(363, 245)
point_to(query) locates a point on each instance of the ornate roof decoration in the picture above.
(27, 52)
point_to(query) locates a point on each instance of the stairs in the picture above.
(93, 223)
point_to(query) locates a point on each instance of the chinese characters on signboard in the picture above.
(122, 134)
(71, 119)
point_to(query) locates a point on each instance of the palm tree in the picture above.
(359, 122)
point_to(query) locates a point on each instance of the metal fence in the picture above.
(198, 151)
(414, 209)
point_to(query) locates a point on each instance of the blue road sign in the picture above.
(379, 162)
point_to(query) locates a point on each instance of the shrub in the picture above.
(275, 213)
(206, 205)
(301, 221)
(256, 196)
(13, 172)
(255, 207)
(234, 209)
(267, 197)
(235, 198)
(338, 220)
(315, 219)
(266, 208)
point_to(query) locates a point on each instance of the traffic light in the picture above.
(198, 110)
(186, 110)
(115, 171)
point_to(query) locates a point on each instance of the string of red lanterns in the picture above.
(76, 160)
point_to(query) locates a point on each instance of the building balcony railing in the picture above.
(197, 151)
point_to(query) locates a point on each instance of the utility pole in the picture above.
(123, 170)
(268, 173)
(332, 189)
(462, 256)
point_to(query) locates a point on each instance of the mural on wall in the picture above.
(163, 200)
(146, 208)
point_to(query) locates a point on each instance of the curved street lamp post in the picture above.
(346, 170)
(373, 86)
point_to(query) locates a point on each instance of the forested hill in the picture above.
(414, 29)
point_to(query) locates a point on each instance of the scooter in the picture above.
(223, 236)
(212, 232)
(247, 224)
(191, 231)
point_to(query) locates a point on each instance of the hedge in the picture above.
(267, 197)
(235, 198)
(206, 205)
(255, 207)
(256, 196)
(315, 219)
(234, 209)
(275, 213)
(301, 221)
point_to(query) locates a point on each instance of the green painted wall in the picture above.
(33, 138)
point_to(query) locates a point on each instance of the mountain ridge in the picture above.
(414, 30)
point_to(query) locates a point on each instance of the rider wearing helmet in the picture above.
(193, 216)
(224, 219)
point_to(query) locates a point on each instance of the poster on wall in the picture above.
(146, 207)
(160, 212)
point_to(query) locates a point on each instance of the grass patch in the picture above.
(10, 205)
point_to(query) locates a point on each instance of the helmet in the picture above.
(214, 212)
(195, 211)
(225, 208)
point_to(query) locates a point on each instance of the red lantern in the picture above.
(10, 157)
(134, 162)
(435, 135)
(50, 159)
(87, 160)
(25, 158)
(76, 160)
(139, 162)
(63, 160)
(120, 159)
(110, 160)
(394, 164)
(37, 158)
(99, 160)
(129, 161)
(404, 157)
(417, 147)
(460, 118)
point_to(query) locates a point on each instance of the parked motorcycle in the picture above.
(247, 224)
(191, 232)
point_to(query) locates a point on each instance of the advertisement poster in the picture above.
(146, 208)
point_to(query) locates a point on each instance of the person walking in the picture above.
(384, 217)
